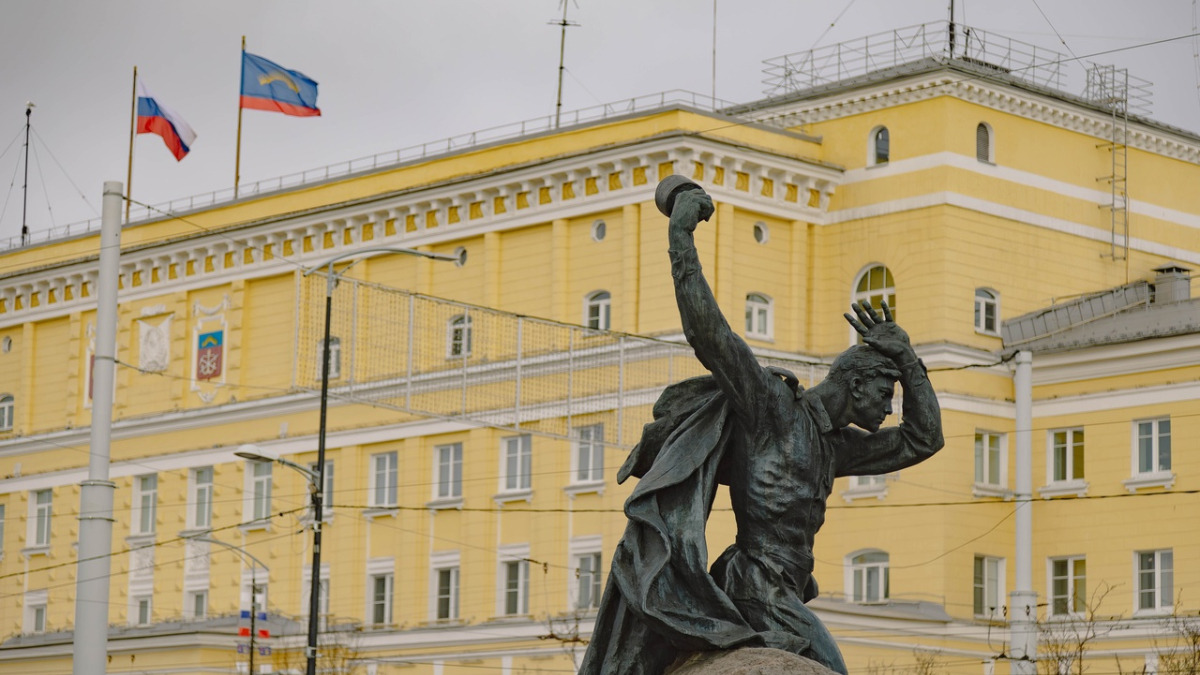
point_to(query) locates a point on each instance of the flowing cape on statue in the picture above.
(660, 598)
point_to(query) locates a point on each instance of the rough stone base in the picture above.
(748, 661)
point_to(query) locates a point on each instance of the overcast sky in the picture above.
(398, 73)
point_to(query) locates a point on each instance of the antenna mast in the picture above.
(25, 187)
(562, 49)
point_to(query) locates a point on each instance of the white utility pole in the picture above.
(96, 494)
(1022, 606)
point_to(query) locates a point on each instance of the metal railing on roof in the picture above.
(879, 53)
(537, 125)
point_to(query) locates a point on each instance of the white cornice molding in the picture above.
(352, 221)
(1043, 108)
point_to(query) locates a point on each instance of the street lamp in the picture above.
(255, 563)
(317, 481)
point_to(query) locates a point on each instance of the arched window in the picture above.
(760, 319)
(597, 310)
(874, 284)
(867, 577)
(6, 412)
(987, 311)
(881, 146)
(983, 142)
(458, 337)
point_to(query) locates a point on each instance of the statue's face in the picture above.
(872, 402)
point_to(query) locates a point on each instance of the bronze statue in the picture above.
(778, 447)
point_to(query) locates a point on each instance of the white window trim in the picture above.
(1150, 479)
(605, 306)
(1001, 578)
(1069, 486)
(995, 300)
(443, 560)
(1161, 609)
(849, 567)
(577, 548)
(506, 554)
(768, 304)
(326, 492)
(376, 567)
(503, 492)
(3, 525)
(467, 343)
(875, 486)
(193, 495)
(389, 471)
(871, 147)
(854, 294)
(335, 356)
(135, 525)
(189, 604)
(249, 522)
(1070, 613)
(36, 546)
(306, 592)
(999, 489)
(34, 600)
(452, 500)
(135, 609)
(8, 408)
(592, 483)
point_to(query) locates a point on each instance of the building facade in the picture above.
(480, 408)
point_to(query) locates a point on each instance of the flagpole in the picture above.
(237, 164)
(132, 134)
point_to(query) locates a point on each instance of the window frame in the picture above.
(460, 334)
(259, 486)
(385, 495)
(510, 558)
(520, 456)
(983, 464)
(200, 492)
(873, 141)
(3, 524)
(1075, 598)
(884, 292)
(450, 563)
(388, 601)
(1069, 485)
(36, 611)
(145, 505)
(41, 518)
(760, 306)
(1162, 605)
(137, 603)
(1156, 439)
(601, 302)
(986, 585)
(448, 471)
(982, 303)
(190, 602)
(858, 576)
(335, 356)
(326, 490)
(8, 408)
(592, 471)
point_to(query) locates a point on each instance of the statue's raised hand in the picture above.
(691, 206)
(884, 334)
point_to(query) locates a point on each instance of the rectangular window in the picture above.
(988, 586)
(516, 587)
(517, 459)
(1, 529)
(447, 593)
(42, 502)
(1153, 446)
(38, 619)
(142, 609)
(589, 454)
(449, 471)
(260, 490)
(327, 489)
(200, 513)
(588, 572)
(989, 459)
(1155, 580)
(1068, 586)
(381, 599)
(145, 500)
(198, 604)
(383, 479)
(1066, 455)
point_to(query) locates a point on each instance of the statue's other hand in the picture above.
(882, 333)
(691, 206)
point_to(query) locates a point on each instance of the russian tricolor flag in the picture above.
(155, 118)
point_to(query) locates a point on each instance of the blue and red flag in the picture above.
(268, 86)
(155, 118)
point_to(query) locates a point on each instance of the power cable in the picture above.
(46, 147)
(1056, 33)
(42, 177)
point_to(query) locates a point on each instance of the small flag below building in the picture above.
(268, 86)
(155, 118)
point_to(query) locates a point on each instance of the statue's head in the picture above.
(869, 380)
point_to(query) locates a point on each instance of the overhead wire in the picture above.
(46, 147)
(42, 177)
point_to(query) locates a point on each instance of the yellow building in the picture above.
(480, 409)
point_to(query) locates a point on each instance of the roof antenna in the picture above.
(562, 48)
(29, 106)
(952, 29)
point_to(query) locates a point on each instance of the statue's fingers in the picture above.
(871, 312)
(862, 313)
(862, 330)
(887, 311)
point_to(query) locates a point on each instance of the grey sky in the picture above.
(399, 73)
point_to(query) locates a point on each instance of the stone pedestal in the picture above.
(749, 661)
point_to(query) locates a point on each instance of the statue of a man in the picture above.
(778, 448)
